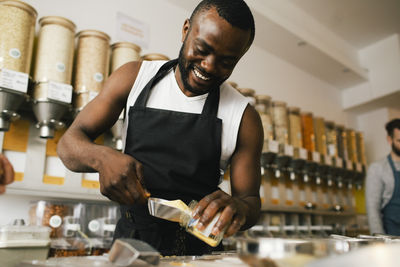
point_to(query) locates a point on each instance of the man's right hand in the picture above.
(121, 179)
(6, 173)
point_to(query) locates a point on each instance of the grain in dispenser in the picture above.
(280, 121)
(308, 131)
(17, 31)
(351, 145)
(263, 107)
(319, 126)
(295, 132)
(121, 53)
(91, 66)
(361, 148)
(331, 138)
(52, 74)
(341, 142)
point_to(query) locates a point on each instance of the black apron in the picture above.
(180, 153)
(391, 212)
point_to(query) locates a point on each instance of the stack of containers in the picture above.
(91, 66)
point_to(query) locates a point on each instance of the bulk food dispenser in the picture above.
(17, 31)
(52, 93)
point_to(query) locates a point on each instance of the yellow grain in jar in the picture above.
(295, 135)
(123, 52)
(263, 107)
(341, 142)
(331, 139)
(280, 121)
(351, 145)
(320, 136)
(91, 65)
(54, 54)
(17, 32)
(154, 56)
(308, 131)
(361, 148)
(249, 94)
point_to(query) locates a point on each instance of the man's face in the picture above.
(211, 48)
(394, 141)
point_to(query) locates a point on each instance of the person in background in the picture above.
(6, 173)
(383, 187)
(183, 124)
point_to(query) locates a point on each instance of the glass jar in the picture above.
(91, 65)
(351, 145)
(280, 122)
(320, 136)
(154, 56)
(331, 139)
(123, 52)
(249, 94)
(295, 133)
(17, 32)
(54, 54)
(341, 142)
(308, 131)
(189, 223)
(361, 148)
(263, 107)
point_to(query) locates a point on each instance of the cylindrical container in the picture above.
(351, 145)
(91, 65)
(123, 52)
(320, 136)
(154, 56)
(295, 132)
(308, 131)
(331, 139)
(190, 224)
(249, 94)
(280, 121)
(341, 142)
(361, 148)
(54, 54)
(263, 107)
(17, 32)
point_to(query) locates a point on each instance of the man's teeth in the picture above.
(199, 75)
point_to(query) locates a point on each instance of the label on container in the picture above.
(98, 77)
(109, 227)
(92, 95)
(349, 165)
(55, 221)
(94, 225)
(314, 196)
(289, 194)
(328, 160)
(326, 198)
(316, 157)
(289, 150)
(302, 195)
(339, 162)
(358, 167)
(14, 53)
(59, 91)
(60, 67)
(303, 153)
(14, 80)
(273, 146)
(331, 149)
(274, 192)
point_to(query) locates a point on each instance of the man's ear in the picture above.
(185, 29)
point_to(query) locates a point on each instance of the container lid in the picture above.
(279, 103)
(306, 113)
(233, 84)
(339, 126)
(57, 20)
(330, 123)
(263, 98)
(154, 56)
(246, 91)
(21, 5)
(94, 33)
(294, 109)
(127, 45)
(24, 236)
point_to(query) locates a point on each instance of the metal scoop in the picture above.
(170, 210)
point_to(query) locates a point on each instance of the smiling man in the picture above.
(383, 187)
(183, 124)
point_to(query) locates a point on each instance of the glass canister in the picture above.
(280, 122)
(263, 107)
(295, 133)
(17, 32)
(249, 94)
(351, 145)
(308, 131)
(361, 148)
(154, 56)
(341, 142)
(123, 52)
(91, 65)
(54, 54)
(331, 139)
(320, 135)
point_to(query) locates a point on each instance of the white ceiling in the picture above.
(359, 22)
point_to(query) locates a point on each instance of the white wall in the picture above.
(259, 69)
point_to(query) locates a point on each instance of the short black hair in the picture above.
(391, 125)
(235, 12)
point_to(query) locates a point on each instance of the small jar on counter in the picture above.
(263, 107)
(123, 52)
(295, 132)
(280, 121)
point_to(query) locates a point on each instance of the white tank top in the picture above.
(167, 95)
